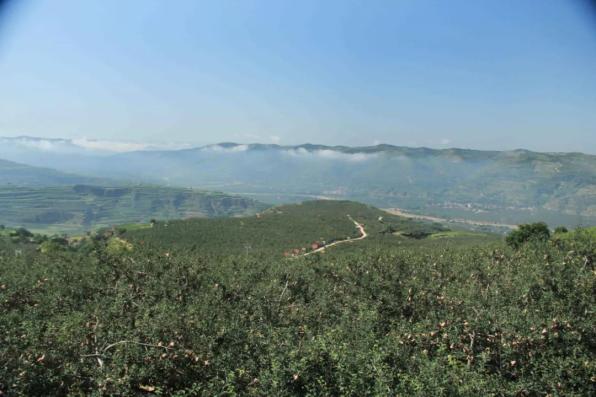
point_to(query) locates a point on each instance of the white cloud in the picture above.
(109, 146)
(85, 144)
(224, 149)
(445, 141)
(275, 139)
(330, 155)
(45, 146)
(123, 147)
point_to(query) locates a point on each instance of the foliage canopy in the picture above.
(435, 316)
(528, 232)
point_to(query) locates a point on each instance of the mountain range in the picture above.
(504, 186)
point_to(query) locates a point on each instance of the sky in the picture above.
(490, 74)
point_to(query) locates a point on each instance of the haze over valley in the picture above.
(508, 187)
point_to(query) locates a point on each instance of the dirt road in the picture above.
(362, 236)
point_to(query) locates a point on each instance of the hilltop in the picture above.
(287, 229)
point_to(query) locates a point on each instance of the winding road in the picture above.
(362, 236)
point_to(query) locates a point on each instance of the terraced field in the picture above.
(83, 207)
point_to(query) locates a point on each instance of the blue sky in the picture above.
(498, 74)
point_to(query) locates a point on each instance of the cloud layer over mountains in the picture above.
(84, 144)
(448, 181)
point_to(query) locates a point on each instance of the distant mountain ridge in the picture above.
(99, 146)
(500, 186)
(504, 186)
(387, 148)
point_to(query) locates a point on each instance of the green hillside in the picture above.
(83, 207)
(452, 314)
(281, 229)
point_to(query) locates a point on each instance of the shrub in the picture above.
(49, 246)
(117, 246)
(528, 232)
(405, 321)
(21, 232)
(383, 316)
(417, 234)
(561, 229)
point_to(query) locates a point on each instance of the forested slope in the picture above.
(102, 317)
(279, 229)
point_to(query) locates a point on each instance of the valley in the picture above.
(505, 187)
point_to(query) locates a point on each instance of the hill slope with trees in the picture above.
(289, 229)
(106, 315)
